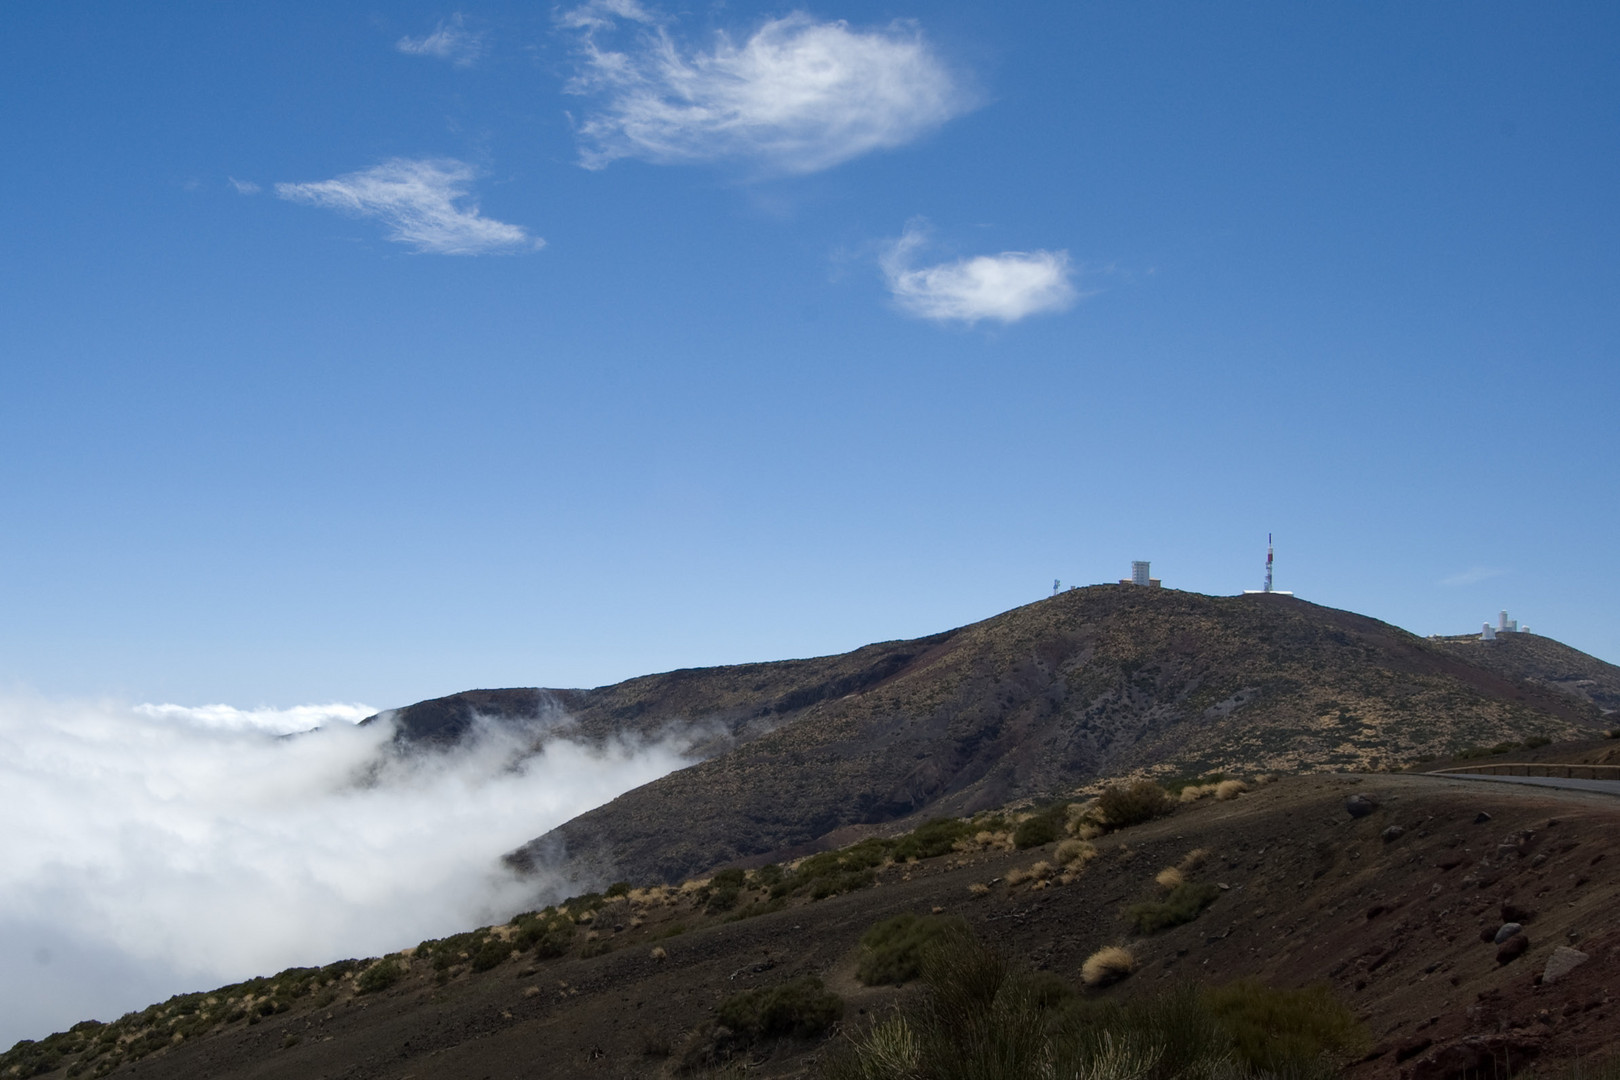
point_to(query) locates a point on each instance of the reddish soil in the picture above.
(1311, 894)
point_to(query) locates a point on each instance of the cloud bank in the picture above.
(417, 199)
(151, 850)
(796, 96)
(450, 40)
(1006, 287)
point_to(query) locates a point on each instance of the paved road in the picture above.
(1607, 787)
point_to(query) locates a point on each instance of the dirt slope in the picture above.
(1392, 921)
(1100, 681)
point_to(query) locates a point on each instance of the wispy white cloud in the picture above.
(150, 850)
(450, 40)
(417, 199)
(244, 187)
(1472, 576)
(1005, 287)
(796, 96)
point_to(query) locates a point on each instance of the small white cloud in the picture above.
(417, 200)
(450, 40)
(797, 96)
(244, 187)
(1006, 287)
(1472, 576)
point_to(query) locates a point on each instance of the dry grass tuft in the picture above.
(1074, 853)
(1230, 789)
(1194, 792)
(1107, 965)
(979, 888)
(1018, 875)
(1193, 860)
(1170, 877)
(658, 953)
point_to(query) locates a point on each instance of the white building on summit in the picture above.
(1139, 575)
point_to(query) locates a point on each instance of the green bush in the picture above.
(1278, 1030)
(1535, 742)
(618, 888)
(1122, 807)
(1035, 831)
(930, 840)
(492, 952)
(893, 950)
(1184, 904)
(802, 1008)
(722, 900)
(767, 876)
(729, 879)
(978, 1018)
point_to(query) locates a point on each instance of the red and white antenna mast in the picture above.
(1268, 562)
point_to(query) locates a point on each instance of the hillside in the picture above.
(1108, 680)
(1389, 908)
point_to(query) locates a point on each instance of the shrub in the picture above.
(1170, 877)
(379, 976)
(1035, 831)
(802, 1008)
(1535, 742)
(1122, 807)
(1193, 860)
(618, 888)
(722, 900)
(1107, 965)
(729, 879)
(1282, 1031)
(1230, 789)
(931, 839)
(767, 875)
(493, 951)
(893, 950)
(1184, 904)
(1074, 851)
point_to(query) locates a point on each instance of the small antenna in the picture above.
(1268, 562)
(1056, 585)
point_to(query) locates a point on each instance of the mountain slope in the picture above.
(1041, 699)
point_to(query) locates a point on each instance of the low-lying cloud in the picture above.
(1006, 287)
(422, 201)
(150, 850)
(795, 96)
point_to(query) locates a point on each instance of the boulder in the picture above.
(1393, 833)
(1359, 806)
(1505, 931)
(1562, 961)
(1513, 948)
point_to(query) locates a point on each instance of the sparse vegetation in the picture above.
(1107, 965)
(893, 950)
(379, 976)
(1185, 902)
(1122, 806)
(980, 1018)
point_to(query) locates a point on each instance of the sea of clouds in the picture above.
(148, 850)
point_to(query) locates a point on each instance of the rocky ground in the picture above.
(1395, 889)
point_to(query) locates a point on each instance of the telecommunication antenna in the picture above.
(1056, 585)
(1268, 562)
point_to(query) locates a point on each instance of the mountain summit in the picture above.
(1094, 682)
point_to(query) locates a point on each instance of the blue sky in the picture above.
(360, 356)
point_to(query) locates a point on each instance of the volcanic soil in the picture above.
(1392, 909)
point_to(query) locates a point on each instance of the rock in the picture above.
(1562, 961)
(1513, 948)
(1359, 806)
(1512, 912)
(1481, 818)
(1411, 1048)
(1393, 833)
(1505, 931)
